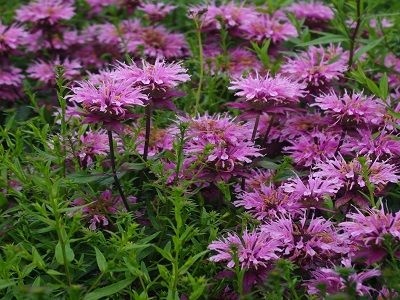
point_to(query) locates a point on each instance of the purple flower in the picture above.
(308, 242)
(219, 146)
(108, 102)
(96, 210)
(381, 146)
(316, 14)
(230, 16)
(253, 249)
(313, 191)
(10, 82)
(156, 12)
(157, 80)
(268, 202)
(266, 93)
(45, 12)
(334, 283)
(367, 231)
(46, 72)
(11, 37)
(314, 68)
(312, 147)
(157, 41)
(351, 177)
(239, 61)
(351, 110)
(265, 27)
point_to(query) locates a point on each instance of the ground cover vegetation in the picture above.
(199, 150)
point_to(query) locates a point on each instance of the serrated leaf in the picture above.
(108, 290)
(101, 260)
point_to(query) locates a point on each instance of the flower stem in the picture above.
(354, 36)
(265, 139)
(253, 136)
(147, 134)
(116, 180)
(199, 24)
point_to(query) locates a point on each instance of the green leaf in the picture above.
(5, 284)
(383, 86)
(83, 178)
(373, 87)
(108, 290)
(69, 253)
(267, 164)
(325, 40)
(101, 260)
(366, 48)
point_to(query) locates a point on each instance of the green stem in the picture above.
(354, 36)
(201, 62)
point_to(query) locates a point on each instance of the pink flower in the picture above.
(156, 12)
(381, 146)
(158, 77)
(309, 242)
(351, 110)
(239, 61)
(96, 210)
(314, 68)
(45, 12)
(298, 125)
(314, 13)
(335, 284)
(253, 249)
(265, 27)
(157, 80)
(108, 102)
(313, 191)
(219, 147)
(312, 147)
(11, 37)
(268, 203)
(157, 41)
(368, 229)
(46, 72)
(10, 82)
(352, 178)
(267, 93)
(230, 16)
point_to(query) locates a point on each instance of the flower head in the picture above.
(265, 27)
(156, 12)
(252, 248)
(108, 102)
(351, 110)
(266, 93)
(46, 71)
(316, 14)
(308, 242)
(45, 12)
(315, 68)
(368, 231)
(219, 146)
(11, 37)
